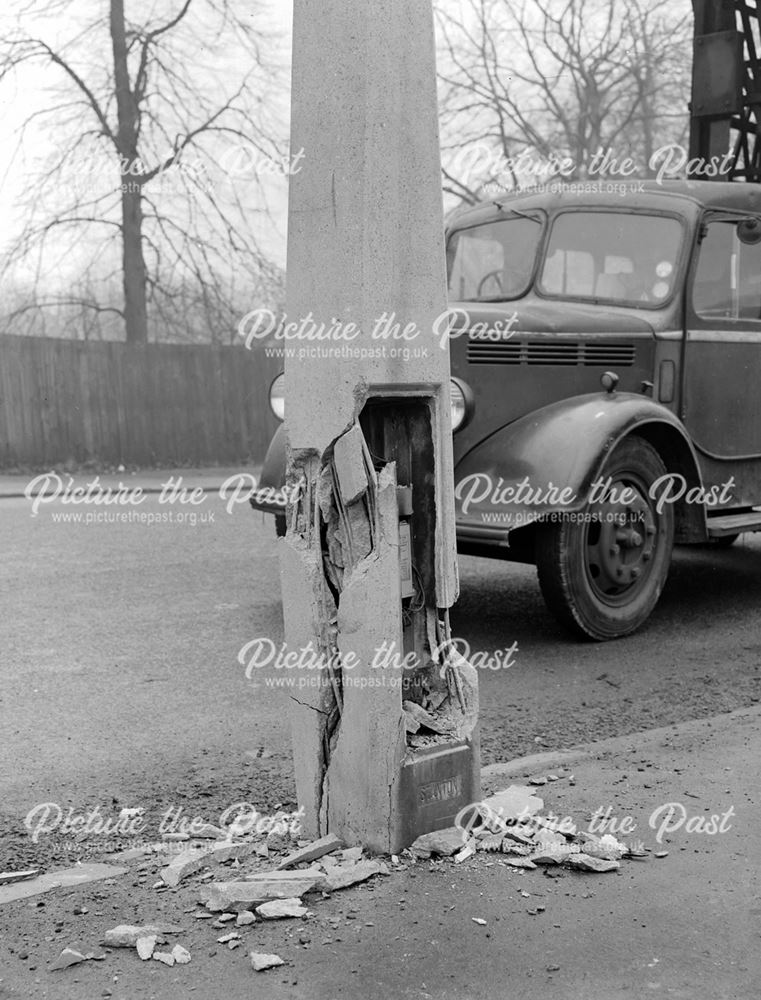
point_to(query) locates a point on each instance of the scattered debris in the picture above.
(550, 838)
(146, 945)
(277, 909)
(516, 803)
(490, 842)
(467, 852)
(351, 854)
(69, 956)
(416, 713)
(195, 858)
(313, 851)
(341, 878)
(260, 961)
(553, 854)
(587, 863)
(126, 935)
(7, 877)
(278, 841)
(445, 842)
(518, 861)
(245, 895)
(520, 834)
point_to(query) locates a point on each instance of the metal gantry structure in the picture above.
(725, 109)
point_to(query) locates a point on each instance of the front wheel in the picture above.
(602, 569)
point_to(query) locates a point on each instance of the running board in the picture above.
(734, 524)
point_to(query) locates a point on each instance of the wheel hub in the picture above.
(620, 544)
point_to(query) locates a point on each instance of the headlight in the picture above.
(277, 396)
(461, 401)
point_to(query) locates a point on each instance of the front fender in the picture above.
(547, 462)
(272, 478)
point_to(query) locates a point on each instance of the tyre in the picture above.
(601, 574)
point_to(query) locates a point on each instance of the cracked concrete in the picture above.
(365, 420)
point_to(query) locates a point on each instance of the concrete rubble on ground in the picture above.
(443, 842)
(221, 897)
(73, 954)
(145, 946)
(196, 858)
(260, 961)
(127, 935)
(506, 828)
(21, 876)
(277, 909)
(312, 852)
(509, 823)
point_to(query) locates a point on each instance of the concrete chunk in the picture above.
(146, 946)
(341, 878)
(277, 909)
(518, 861)
(186, 863)
(317, 849)
(552, 854)
(126, 935)
(589, 864)
(514, 803)
(196, 858)
(180, 955)
(349, 463)
(67, 958)
(21, 876)
(444, 842)
(245, 895)
(261, 961)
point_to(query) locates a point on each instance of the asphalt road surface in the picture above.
(121, 684)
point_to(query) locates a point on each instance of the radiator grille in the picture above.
(549, 352)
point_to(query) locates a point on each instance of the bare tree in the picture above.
(560, 80)
(148, 110)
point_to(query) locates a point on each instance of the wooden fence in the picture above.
(152, 405)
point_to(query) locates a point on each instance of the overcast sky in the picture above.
(30, 90)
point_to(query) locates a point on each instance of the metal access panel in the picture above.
(435, 785)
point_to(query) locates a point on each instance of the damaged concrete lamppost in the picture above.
(385, 742)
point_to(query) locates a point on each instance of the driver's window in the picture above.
(477, 267)
(493, 261)
(728, 275)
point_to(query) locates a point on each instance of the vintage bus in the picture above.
(605, 342)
